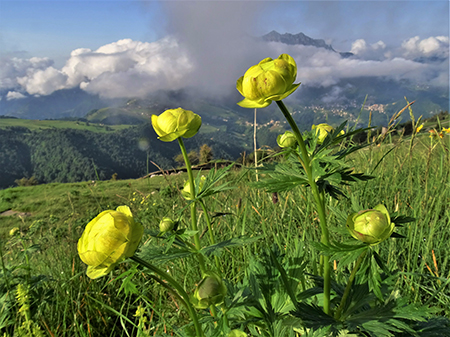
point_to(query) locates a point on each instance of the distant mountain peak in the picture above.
(293, 39)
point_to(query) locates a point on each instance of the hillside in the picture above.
(75, 154)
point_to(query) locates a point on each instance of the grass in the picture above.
(66, 303)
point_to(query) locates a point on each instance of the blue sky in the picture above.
(204, 39)
(54, 28)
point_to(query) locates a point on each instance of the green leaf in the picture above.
(234, 242)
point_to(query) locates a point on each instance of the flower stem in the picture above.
(181, 293)
(338, 312)
(325, 237)
(211, 235)
(194, 227)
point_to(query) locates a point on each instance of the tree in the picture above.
(205, 154)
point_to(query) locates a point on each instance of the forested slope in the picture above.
(68, 155)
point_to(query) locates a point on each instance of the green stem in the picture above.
(194, 227)
(325, 237)
(338, 313)
(181, 292)
(211, 235)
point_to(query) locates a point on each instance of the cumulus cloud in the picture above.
(437, 46)
(14, 95)
(12, 68)
(211, 61)
(125, 68)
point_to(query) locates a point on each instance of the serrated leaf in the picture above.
(234, 242)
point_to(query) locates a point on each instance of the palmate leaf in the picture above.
(156, 253)
(234, 242)
(283, 177)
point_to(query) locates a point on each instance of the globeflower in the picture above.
(210, 291)
(186, 191)
(166, 225)
(323, 130)
(269, 80)
(174, 123)
(371, 226)
(287, 139)
(111, 237)
(237, 333)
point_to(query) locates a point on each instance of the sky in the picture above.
(128, 48)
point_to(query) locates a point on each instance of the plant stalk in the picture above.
(194, 227)
(338, 312)
(181, 292)
(325, 236)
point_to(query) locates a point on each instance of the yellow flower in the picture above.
(269, 80)
(186, 191)
(13, 231)
(287, 139)
(237, 333)
(323, 130)
(419, 128)
(371, 225)
(446, 130)
(108, 239)
(211, 290)
(174, 123)
(166, 225)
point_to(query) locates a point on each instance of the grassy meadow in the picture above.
(63, 301)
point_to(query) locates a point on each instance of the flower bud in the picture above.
(287, 139)
(371, 225)
(269, 80)
(323, 130)
(237, 333)
(108, 239)
(14, 231)
(166, 225)
(186, 191)
(210, 291)
(174, 123)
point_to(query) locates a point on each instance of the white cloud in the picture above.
(433, 46)
(128, 68)
(14, 95)
(121, 69)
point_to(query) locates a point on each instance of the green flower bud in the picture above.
(237, 333)
(108, 239)
(269, 80)
(287, 139)
(323, 130)
(166, 225)
(210, 291)
(371, 225)
(186, 191)
(174, 123)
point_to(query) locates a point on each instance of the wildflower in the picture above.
(174, 123)
(166, 225)
(371, 226)
(13, 231)
(419, 128)
(323, 130)
(287, 139)
(237, 333)
(186, 191)
(108, 239)
(210, 291)
(269, 80)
